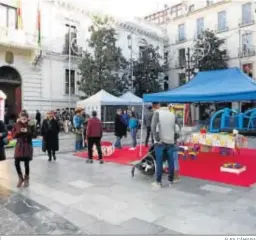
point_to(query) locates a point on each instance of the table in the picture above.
(221, 140)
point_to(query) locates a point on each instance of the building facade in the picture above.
(36, 71)
(233, 21)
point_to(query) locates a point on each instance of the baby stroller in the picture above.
(147, 165)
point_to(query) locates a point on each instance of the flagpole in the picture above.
(69, 68)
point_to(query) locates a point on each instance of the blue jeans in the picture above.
(162, 150)
(133, 132)
(118, 142)
(78, 145)
(176, 160)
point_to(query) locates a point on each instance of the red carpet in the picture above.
(206, 166)
(120, 156)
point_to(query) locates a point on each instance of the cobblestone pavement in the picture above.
(71, 197)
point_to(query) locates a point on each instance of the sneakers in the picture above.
(89, 161)
(176, 180)
(156, 185)
(170, 183)
(132, 149)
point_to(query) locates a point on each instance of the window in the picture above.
(176, 10)
(222, 25)
(166, 57)
(247, 13)
(181, 30)
(72, 82)
(8, 16)
(182, 79)
(191, 8)
(247, 41)
(72, 30)
(248, 69)
(182, 57)
(209, 2)
(199, 26)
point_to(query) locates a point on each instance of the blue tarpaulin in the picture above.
(229, 85)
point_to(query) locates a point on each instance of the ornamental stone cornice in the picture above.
(136, 25)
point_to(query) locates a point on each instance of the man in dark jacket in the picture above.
(120, 128)
(147, 122)
(94, 134)
(38, 118)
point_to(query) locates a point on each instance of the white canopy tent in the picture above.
(101, 98)
(132, 99)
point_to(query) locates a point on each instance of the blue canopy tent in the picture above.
(228, 85)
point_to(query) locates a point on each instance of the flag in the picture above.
(38, 24)
(19, 15)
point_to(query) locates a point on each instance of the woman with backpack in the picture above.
(3, 135)
(133, 126)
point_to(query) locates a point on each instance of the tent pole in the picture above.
(141, 128)
(184, 117)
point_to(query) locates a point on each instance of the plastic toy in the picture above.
(236, 168)
(226, 114)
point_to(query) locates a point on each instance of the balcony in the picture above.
(17, 39)
(220, 29)
(246, 22)
(181, 39)
(247, 51)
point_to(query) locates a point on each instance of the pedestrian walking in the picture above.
(3, 135)
(133, 127)
(94, 134)
(164, 127)
(120, 129)
(78, 128)
(23, 131)
(147, 123)
(126, 117)
(66, 122)
(38, 119)
(50, 133)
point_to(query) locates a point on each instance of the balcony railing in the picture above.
(17, 38)
(220, 29)
(247, 51)
(246, 22)
(181, 39)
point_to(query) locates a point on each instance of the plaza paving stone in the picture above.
(70, 197)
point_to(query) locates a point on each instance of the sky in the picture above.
(126, 8)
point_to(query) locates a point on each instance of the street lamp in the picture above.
(130, 46)
(71, 50)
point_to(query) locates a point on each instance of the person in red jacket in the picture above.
(93, 136)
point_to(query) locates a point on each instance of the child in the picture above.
(133, 126)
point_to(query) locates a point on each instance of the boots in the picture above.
(49, 156)
(26, 181)
(20, 182)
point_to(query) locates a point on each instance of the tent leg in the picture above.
(141, 129)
